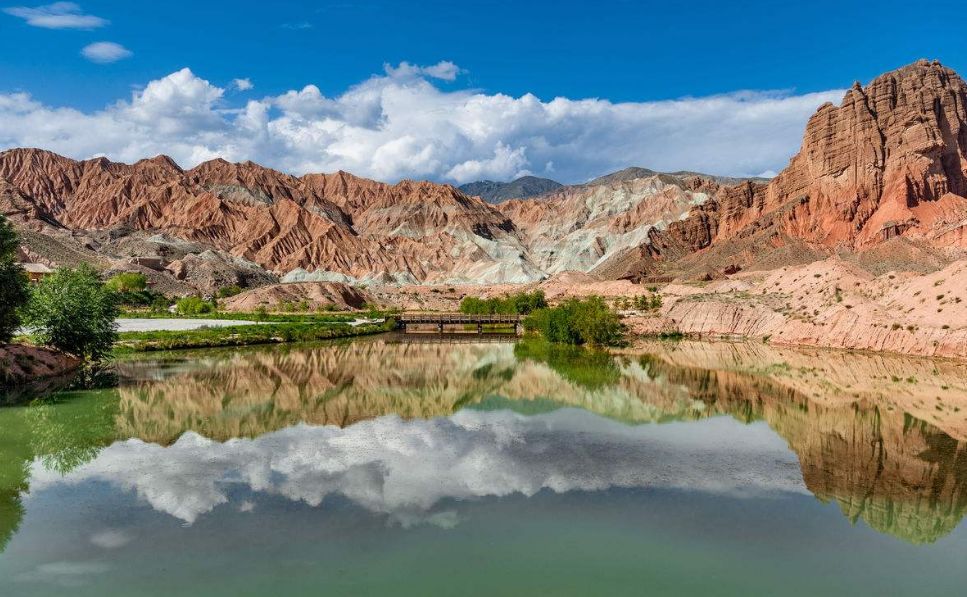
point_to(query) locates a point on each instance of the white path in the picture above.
(133, 324)
(126, 324)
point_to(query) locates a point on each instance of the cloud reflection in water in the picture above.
(405, 468)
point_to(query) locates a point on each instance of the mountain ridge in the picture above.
(887, 163)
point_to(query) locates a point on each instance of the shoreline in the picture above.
(23, 364)
(243, 335)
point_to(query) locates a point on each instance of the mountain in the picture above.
(881, 179)
(577, 228)
(336, 226)
(636, 172)
(521, 188)
(885, 167)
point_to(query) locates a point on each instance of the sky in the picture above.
(449, 91)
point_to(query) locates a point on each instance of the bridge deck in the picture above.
(457, 318)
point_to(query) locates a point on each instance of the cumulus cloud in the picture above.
(105, 52)
(243, 84)
(59, 15)
(408, 470)
(401, 125)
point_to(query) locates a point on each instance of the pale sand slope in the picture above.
(827, 303)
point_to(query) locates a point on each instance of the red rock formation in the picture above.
(890, 161)
(337, 223)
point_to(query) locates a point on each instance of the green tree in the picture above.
(521, 303)
(74, 311)
(575, 321)
(14, 290)
(128, 282)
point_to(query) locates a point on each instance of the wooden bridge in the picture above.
(463, 320)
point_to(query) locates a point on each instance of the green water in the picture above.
(379, 467)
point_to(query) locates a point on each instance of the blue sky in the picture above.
(617, 51)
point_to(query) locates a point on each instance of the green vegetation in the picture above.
(575, 321)
(14, 291)
(73, 311)
(132, 291)
(641, 302)
(521, 303)
(259, 314)
(194, 305)
(591, 369)
(128, 282)
(303, 306)
(270, 333)
(227, 291)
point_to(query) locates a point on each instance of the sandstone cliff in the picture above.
(889, 161)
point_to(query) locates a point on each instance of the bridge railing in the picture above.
(445, 318)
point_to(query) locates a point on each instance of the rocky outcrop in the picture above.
(580, 228)
(22, 364)
(314, 296)
(889, 162)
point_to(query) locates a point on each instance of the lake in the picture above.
(389, 465)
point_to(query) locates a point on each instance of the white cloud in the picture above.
(443, 70)
(401, 125)
(105, 52)
(110, 539)
(406, 469)
(243, 84)
(59, 15)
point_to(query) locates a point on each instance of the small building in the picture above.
(37, 271)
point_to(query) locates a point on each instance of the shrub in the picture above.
(14, 290)
(160, 303)
(74, 311)
(127, 282)
(194, 305)
(227, 291)
(574, 321)
(647, 302)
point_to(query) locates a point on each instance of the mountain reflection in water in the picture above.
(398, 428)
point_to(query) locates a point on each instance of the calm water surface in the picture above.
(383, 467)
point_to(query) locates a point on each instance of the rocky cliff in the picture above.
(890, 161)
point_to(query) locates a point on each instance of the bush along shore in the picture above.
(269, 333)
(589, 321)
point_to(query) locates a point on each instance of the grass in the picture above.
(267, 317)
(275, 333)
